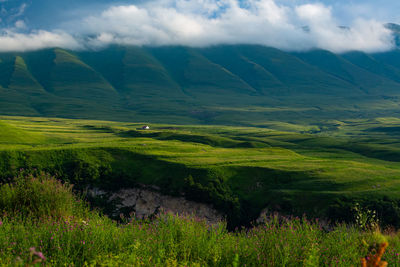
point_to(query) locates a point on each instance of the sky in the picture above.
(294, 25)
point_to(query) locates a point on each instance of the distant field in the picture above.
(320, 169)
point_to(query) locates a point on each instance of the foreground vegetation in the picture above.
(42, 222)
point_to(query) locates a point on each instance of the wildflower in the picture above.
(39, 255)
(375, 260)
(1, 223)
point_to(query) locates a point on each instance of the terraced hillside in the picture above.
(234, 85)
(321, 170)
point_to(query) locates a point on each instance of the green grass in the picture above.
(39, 196)
(41, 220)
(14, 135)
(239, 170)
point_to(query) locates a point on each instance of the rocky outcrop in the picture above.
(146, 203)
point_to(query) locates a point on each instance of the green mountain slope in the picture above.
(70, 77)
(229, 84)
(109, 63)
(367, 75)
(41, 64)
(298, 76)
(391, 58)
(22, 80)
(142, 82)
(6, 69)
(252, 73)
(198, 75)
(377, 67)
(18, 88)
(142, 72)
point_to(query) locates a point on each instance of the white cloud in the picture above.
(314, 13)
(12, 41)
(211, 22)
(195, 23)
(363, 35)
(20, 24)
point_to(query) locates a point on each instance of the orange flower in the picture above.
(375, 260)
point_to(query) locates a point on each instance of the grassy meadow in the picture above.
(320, 170)
(43, 223)
(323, 170)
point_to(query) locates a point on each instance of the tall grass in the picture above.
(41, 214)
(39, 196)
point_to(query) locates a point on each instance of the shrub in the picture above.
(365, 219)
(38, 197)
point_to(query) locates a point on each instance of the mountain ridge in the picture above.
(225, 84)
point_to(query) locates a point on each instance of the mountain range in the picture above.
(224, 84)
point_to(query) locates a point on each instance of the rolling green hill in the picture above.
(226, 84)
(322, 170)
(13, 135)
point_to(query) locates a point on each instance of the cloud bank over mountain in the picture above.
(198, 23)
